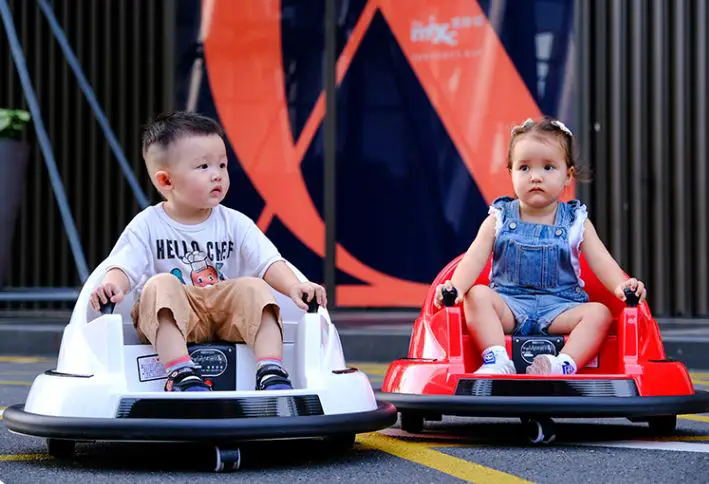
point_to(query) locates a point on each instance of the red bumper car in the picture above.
(631, 377)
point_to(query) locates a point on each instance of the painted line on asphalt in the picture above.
(22, 359)
(696, 418)
(16, 383)
(24, 457)
(450, 440)
(650, 445)
(371, 368)
(423, 454)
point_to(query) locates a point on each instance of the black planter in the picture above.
(14, 156)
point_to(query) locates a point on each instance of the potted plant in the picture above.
(14, 157)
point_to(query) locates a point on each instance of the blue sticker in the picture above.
(489, 357)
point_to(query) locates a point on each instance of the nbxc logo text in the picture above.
(442, 32)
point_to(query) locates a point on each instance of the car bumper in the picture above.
(548, 406)
(196, 430)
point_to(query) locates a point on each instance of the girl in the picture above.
(535, 284)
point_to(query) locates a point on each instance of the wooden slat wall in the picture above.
(125, 48)
(643, 65)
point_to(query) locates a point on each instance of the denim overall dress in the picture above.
(535, 267)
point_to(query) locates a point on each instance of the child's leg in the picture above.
(268, 343)
(587, 325)
(488, 319)
(165, 317)
(257, 322)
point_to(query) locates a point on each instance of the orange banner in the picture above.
(455, 54)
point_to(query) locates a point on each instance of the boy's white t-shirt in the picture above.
(225, 246)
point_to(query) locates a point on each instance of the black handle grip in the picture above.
(449, 297)
(107, 308)
(312, 304)
(630, 298)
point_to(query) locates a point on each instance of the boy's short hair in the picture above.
(167, 128)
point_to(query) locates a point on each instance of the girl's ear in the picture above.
(570, 175)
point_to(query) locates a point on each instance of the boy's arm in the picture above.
(128, 263)
(117, 277)
(283, 279)
(475, 257)
(280, 277)
(113, 287)
(604, 265)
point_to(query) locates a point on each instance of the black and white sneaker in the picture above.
(186, 379)
(272, 377)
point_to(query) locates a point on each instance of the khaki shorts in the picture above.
(228, 311)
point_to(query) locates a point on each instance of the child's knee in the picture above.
(599, 313)
(161, 283)
(478, 296)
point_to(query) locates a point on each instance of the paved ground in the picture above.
(479, 450)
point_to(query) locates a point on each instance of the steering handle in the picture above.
(449, 296)
(631, 299)
(312, 304)
(107, 308)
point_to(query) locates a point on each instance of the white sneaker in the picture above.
(549, 365)
(501, 367)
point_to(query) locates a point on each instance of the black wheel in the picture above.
(227, 459)
(340, 442)
(60, 448)
(663, 425)
(540, 430)
(411, 422)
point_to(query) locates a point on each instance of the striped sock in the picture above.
(177, 363)
(268, 361)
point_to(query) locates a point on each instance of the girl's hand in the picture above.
(638, 287)
(448, 286)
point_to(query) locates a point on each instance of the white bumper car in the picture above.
(107, 386)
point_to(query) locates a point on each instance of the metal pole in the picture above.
(582, 41)
(91, 98)
(44, 143)
(330, 125)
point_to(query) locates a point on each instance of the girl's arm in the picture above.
(605, 267)
(474, 259)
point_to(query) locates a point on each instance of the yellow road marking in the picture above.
(17, 457)
(696, 418)
(423, 454)
(15, 382)
(22, 359)
(372, 368)
(684, 438)
(700, 374)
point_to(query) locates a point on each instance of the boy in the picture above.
(202, 270)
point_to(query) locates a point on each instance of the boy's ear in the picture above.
(162, 180)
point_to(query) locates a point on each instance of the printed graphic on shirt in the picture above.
(203, 270)
(178, 273)
(202, 273)
(179, 249)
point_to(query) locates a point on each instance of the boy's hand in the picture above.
(448, 286)
(103, 293)
(637, 287)
(311, 290)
